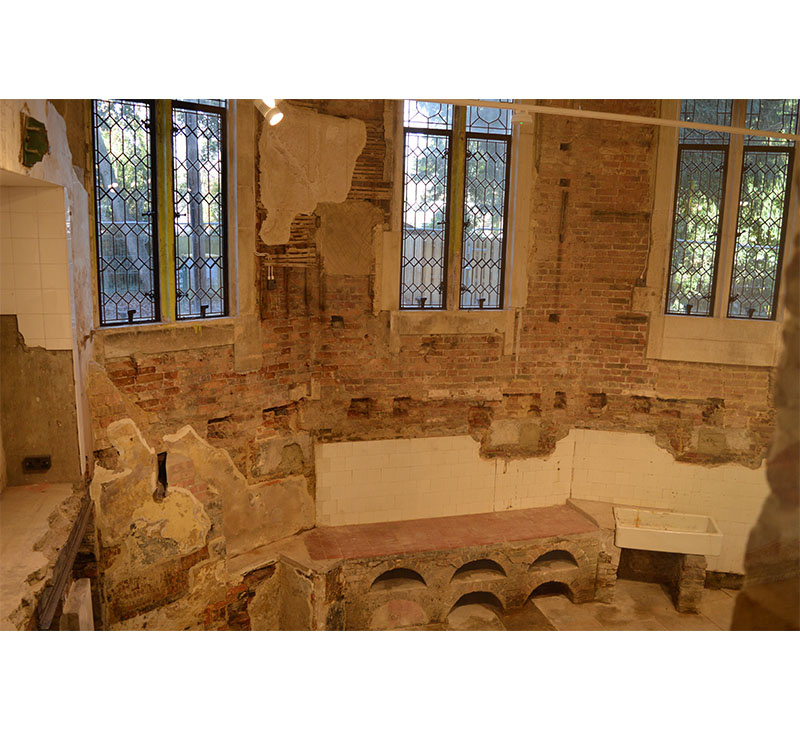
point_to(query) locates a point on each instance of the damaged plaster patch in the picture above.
(253, 514)
(346, 237)
(307, 159)
(127, 512)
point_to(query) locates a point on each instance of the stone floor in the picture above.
(24, 515)
(639, 607)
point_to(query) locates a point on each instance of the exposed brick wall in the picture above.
(582, 352)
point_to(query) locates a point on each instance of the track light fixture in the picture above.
(269, 108)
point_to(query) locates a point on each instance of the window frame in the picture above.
(458, 137)
(162, 197)
(733, 179)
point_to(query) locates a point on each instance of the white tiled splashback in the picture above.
(34, 278)
(405, 479)
(402, 479)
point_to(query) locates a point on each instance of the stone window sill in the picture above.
(158, 337)
(714, 340)
(471, 322)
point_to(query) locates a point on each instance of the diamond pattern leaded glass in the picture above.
(488, 119)
(424, 221)
(427, 114)
(698, 205)
(484, 224)
(125, 211)
(776, 115)
(200, 242)
(705, 111)
(702, 162)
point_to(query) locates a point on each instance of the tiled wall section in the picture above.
(402, 479)
(628, 468)
(33, 265)
(405, 479)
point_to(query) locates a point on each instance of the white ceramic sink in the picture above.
(666, 532)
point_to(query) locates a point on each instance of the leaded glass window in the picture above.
(731, 202)
(161, 232)
(125, 211)
(455, 206)
(198, 136)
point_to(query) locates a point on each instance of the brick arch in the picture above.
(569, 585)
(568, 546)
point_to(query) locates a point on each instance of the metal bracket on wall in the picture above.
(52, 594)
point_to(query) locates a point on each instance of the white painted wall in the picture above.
(34, 281)
(403, 479)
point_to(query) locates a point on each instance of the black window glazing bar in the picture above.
(200, 209)
(126, 218)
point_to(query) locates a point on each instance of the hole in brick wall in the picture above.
(597, 400)
(641, 404)
(484, 569)
(560, 400)
(360, 408)
(398, 579)
(552, 588)
(337, 321)
(480, 598)
(400, 406)
(555, 559)
(279, 416)
(107, 458)
(668, 407)
(565, 146)
(564, 182)
(711, 412)
(219, 427)
(553, 317)
(536, 404)
(161, 488)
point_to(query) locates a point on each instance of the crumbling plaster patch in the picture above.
(347, 235)
(307, 159)
(253, 515)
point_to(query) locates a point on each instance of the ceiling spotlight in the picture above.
(269, 108)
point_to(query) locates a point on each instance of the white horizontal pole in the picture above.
(612, 117)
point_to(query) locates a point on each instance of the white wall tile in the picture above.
(29, 301)
(55, 276)
(32, 328)
(23, 225)
(25, 250)
(57, 326)
(50, 200)
(27, 276)
(53, 250)
(52, 225)
(22, 199)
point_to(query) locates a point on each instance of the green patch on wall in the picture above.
(35, 144)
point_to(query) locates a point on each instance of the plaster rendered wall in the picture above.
(37, 408)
